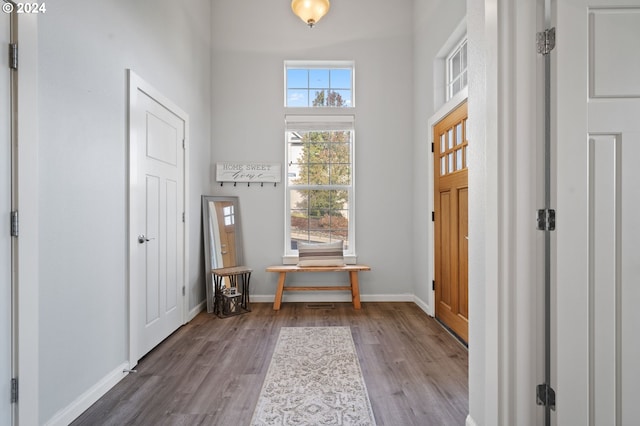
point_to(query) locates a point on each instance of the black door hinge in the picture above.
(546, 396)
(546, 41)
(433, 216)
(546, 220)
(14, 390)
(13, 56)
(14, 223)
(433, 285)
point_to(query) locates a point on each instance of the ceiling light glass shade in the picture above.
(310, 11)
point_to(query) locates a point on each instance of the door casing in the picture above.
(7, 302)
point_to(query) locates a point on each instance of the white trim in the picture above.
(440, 65)
(28, 284)
(302, 64)
(310, 123)
(293, 259)
(448, 107)
(8, 258)
(88, 398)
(448, 72)
(469, 421)
(329, 296)
(324, 121)
(195, 311)
(459, 33)
(428, 309)
(135, 82)
(503, 301)
(319, 111)
(185, 231)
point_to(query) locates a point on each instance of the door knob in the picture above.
(142, 239)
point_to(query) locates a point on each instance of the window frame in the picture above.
(450, 77)
(317, 116)
(311, 65)
(320, 122)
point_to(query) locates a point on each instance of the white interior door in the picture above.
(157, 205)
(5, 237)
(597, 69)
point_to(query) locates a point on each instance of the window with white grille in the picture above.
(319, 188)
(457, 69)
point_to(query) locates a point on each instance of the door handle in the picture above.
(142, 239)
(467, 237)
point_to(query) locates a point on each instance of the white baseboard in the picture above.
(87, 399)
(423, 305)
(330, 296)
(469, 421)
(195, 311)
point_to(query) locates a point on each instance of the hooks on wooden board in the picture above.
(275, 184)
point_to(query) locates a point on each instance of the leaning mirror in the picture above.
(222, 237)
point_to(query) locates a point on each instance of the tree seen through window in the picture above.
(319, 208)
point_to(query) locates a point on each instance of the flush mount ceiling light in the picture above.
(310, 11)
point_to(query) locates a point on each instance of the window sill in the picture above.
(292, 260)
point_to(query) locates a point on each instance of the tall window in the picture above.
(319, 158)
(457, 69)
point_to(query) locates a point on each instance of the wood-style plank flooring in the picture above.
(210, 371)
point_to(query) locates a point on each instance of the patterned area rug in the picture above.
(314, 379)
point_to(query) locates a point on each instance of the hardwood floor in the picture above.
(210, 371)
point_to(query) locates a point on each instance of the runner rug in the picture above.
(314, 379)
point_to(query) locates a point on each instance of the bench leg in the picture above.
(279, 290)
(355, 289)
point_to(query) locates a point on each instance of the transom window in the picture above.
(457, 69)
(319, 84)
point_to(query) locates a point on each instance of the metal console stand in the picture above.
(231, 291)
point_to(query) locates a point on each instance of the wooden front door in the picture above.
(451, 221)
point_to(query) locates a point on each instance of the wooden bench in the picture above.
(353, 286)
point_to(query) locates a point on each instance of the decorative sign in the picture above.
(233, 171)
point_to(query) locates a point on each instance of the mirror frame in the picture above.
(210, 245)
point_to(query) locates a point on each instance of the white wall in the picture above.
(434, 23)
(84, 50)
(505, 269)
(252, 39)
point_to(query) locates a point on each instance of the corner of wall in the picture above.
(87, 399)
(424, 306)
